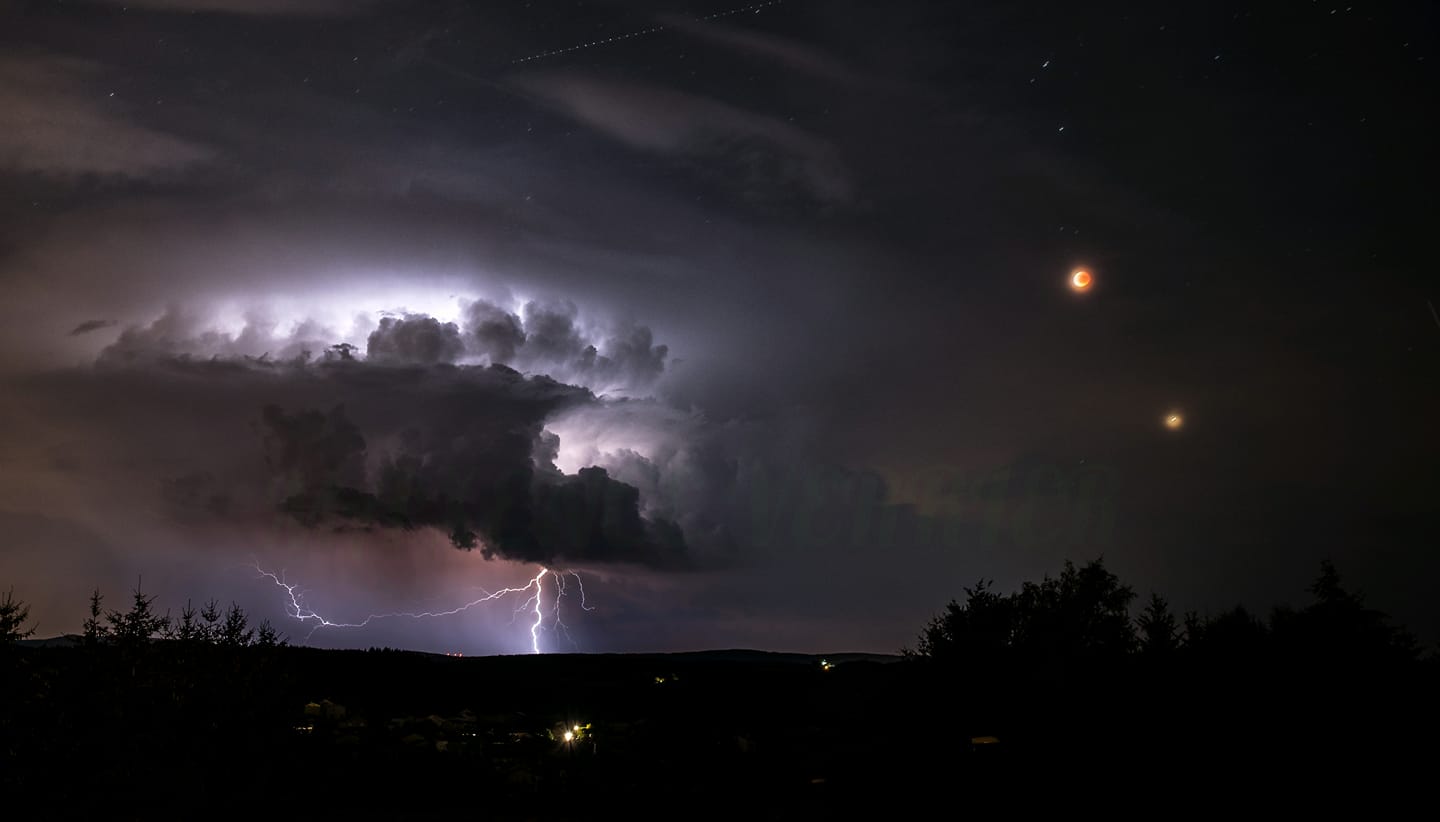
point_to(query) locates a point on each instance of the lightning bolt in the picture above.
(535, 629)
(296, 608)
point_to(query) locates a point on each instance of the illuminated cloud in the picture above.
(414, 339)
(400, 441)
(493, 332)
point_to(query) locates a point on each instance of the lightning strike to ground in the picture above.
(296, 608)
(755, 7)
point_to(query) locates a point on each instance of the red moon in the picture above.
(1081, 280)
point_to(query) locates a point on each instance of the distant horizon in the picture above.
(42, 641)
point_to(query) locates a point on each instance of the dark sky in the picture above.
(795, 279)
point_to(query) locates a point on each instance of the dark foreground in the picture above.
(210, 731)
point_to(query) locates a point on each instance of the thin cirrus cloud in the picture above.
(56, 119)
(669, 122)
(784, 51)
(298, 8)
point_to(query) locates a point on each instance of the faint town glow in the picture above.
(1174, 421)
(1081, 280)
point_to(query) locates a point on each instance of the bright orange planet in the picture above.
(1173, 421)
(1081, 280)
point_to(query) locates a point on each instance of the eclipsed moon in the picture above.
(1173, 421)
(1081, 280)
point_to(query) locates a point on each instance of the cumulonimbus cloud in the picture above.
(397, 437)
(469, 459)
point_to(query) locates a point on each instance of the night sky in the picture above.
(760, 322)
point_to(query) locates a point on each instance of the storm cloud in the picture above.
(396, 437)
(414, 340)
(470, 459)
(550, 338)
(493, 332)
(778, 297)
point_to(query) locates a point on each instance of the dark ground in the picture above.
(388, 734)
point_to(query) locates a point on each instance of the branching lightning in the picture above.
(560, 593)
(755, 7)
(534, 603)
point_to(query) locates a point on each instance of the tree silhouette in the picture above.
(267, 637)
(235, 631)
(1327, 590)
(1194, 629)
(209, 629)
(13, 615)
(981, 627)
(94, 627)
(140, 624)
(1159, 633)
(1339, 626)
(1083, 612)
(188, 629)
(1235, 632)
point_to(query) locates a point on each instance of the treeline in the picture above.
(207, 625)
(143, 623)
(1077, 684)
(1066, 681)
(1085, 614)
(13, 616)
(141, 699)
